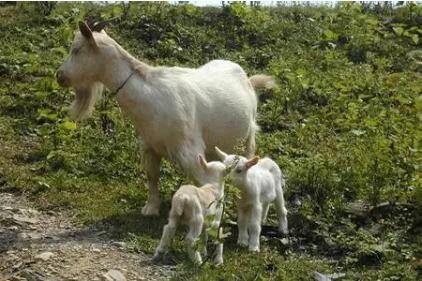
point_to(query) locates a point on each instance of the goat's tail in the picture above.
(262, 81)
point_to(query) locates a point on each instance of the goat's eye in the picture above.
(238, 171)
(75, 51)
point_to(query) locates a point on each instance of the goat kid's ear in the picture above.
(222, 155)
(86, 32)
(202, 161)
(251, 162)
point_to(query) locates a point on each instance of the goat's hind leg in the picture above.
(250, 142)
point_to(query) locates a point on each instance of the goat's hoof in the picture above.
(218, 262)
(197, 259)
(284, 231)
(254, 249)
(156, 258)
(242, 243)
(151, 209)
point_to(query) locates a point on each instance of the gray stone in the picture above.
(44, 256)
(114, 275)
(24, 219)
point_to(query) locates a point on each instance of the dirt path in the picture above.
(37, 245)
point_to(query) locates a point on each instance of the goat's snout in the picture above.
(61, 78)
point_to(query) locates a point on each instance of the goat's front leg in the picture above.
(151, 163)
(254, 227)
(242, 224)
(265, 207)
(195, 228)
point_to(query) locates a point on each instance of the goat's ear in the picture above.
(251, 162)
(86, 32)
(202, 161)
(222, 155)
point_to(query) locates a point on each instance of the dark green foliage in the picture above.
(343, 123)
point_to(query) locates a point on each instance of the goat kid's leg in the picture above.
(254, 227)
(195, 228)
(151, 162)
(242, 224)
(168, 234)
(281, 213)
(218, 254)
(204, 239)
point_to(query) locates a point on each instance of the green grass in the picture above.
(344, 124)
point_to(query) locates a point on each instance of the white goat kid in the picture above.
(191, 205)
(261, 182)
(177, 112)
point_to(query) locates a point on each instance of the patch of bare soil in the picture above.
(37, 245)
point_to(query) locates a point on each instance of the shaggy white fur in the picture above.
(177, 112)
(261, 182)
(191, 205)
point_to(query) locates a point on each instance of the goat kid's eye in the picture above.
(238, 171)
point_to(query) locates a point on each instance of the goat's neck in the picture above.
(218, 188)
(116, 74)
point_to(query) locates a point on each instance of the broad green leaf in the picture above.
(398, 30)
(68, 125)
(415, 38)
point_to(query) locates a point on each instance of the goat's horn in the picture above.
(98, 26)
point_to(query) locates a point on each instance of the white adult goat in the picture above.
(177, 112)
(191, 205)
(261, 182)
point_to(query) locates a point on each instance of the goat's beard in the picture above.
(85, 99)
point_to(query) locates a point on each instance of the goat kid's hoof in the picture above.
(151, 210)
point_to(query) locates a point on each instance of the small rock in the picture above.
(114, 275)
(17, 265)
(24, 219)
(99, 233)
(321, 277)
(44, 256)
(285, 241)
(30, 275)
(96, 250)
(118, 244)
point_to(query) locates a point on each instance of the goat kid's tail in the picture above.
(178, 205)
(262, 81)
